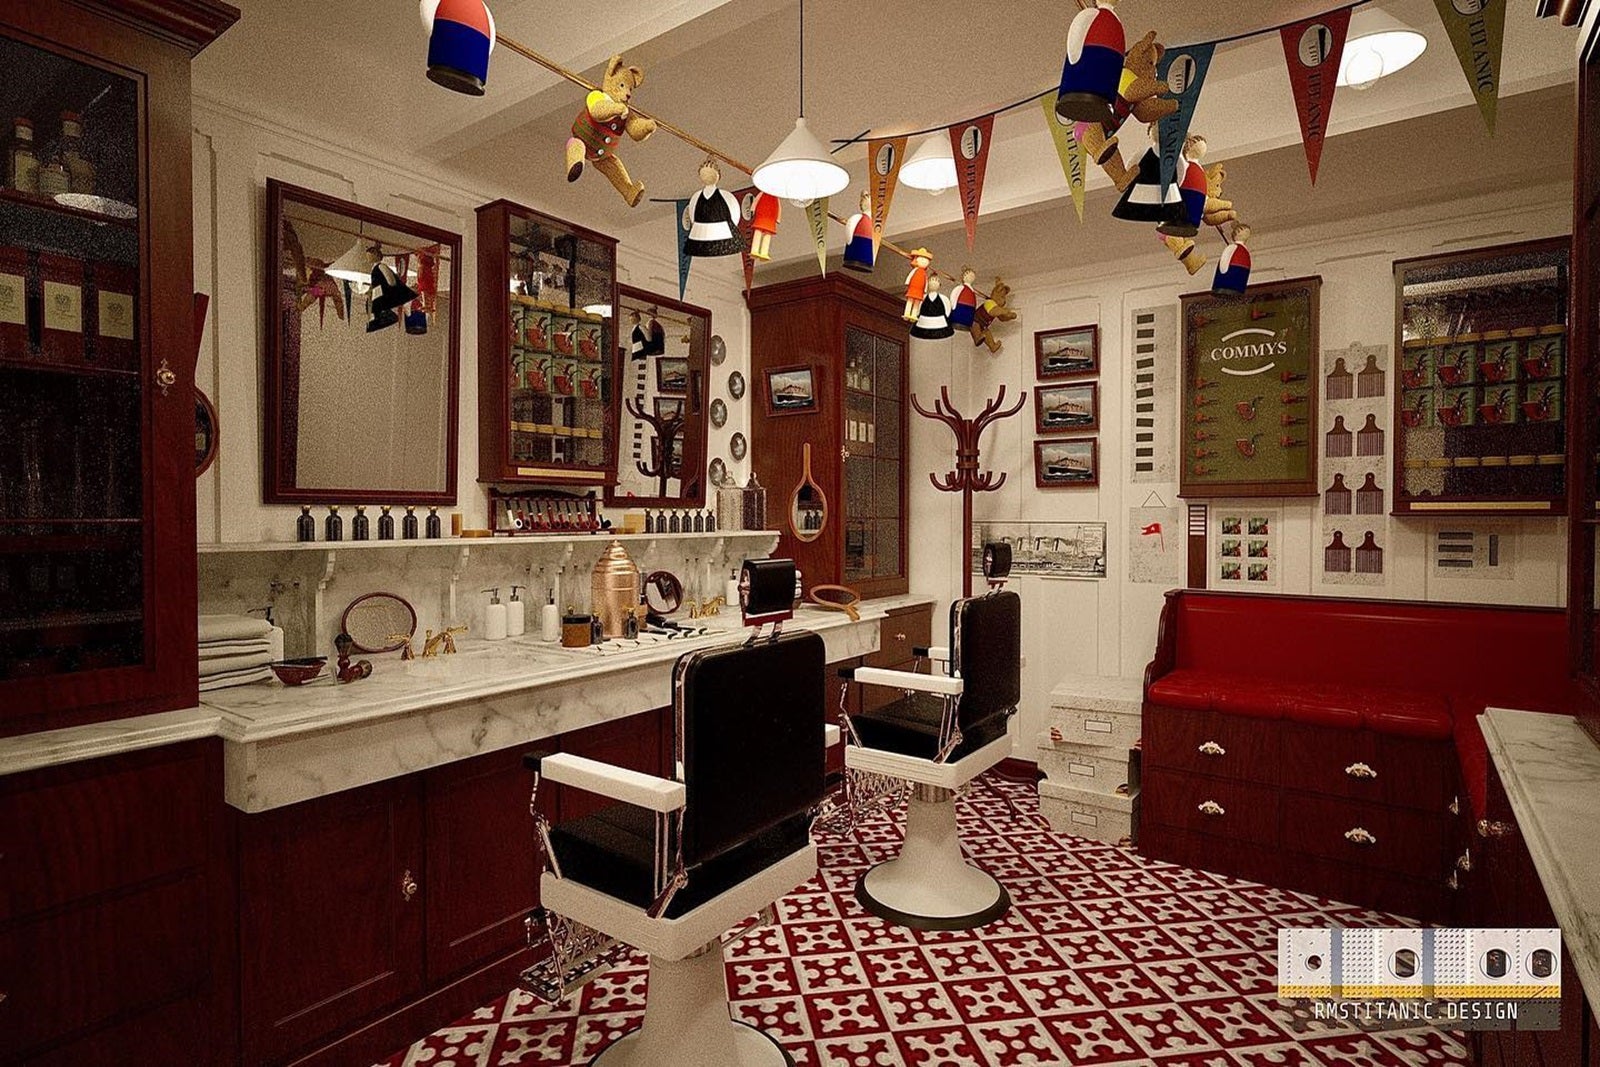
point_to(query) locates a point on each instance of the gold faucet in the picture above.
(443, 642)
(713, 606)
(406, 651)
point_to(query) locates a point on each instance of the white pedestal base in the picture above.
(930, 886)
(686, 1022)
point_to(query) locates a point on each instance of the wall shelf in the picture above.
(493, 544)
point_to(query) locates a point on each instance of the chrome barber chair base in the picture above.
(930, 885)
(686, 1022)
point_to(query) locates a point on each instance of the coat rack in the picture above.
(967, 479)
(666, 429)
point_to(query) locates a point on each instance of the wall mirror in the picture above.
(663, 352)
(363, 354)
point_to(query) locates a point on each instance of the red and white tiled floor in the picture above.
(1105, 958)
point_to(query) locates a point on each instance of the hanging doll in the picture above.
(599, 128)
(638, 340)
(933, 317)
(657, 345)
(1093, 68)
(1144, 201)
(860, 250)
(917, 282)
(964, 300)
(1233, 269)
(711, 218)
(763, 225)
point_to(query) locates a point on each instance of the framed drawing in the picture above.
(1073, 408)
(1250, 370)
(672, 375)
(791, 390)
(1072, 464)
(1070, 353)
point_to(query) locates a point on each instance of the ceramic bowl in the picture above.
(298, 671)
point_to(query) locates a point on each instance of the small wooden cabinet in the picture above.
(547, 293)
(854, 341)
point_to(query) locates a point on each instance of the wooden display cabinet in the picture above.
(546, 376)
(1481, 389)
(855, 342)
(97, 513)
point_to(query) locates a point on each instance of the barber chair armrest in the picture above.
(938, 652)
(943, 685)
(831, 735)
(631, 787)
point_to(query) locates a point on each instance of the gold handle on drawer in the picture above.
(1494, 828)
(1452, 882)
(166, 377)
(899, 637)
(1454, 807)
(1360, 770)
(1211, 807)
(408, 887)
(1211, 748)
(1464, 861)
(1358, 835)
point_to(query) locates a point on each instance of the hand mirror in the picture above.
(808, 510)
(663, 592)
(836, 598)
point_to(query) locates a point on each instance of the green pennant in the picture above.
(1477, 30)
(1074, 155)
(817, 219)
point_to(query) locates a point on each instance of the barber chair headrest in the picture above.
(766, 591)
(996, 563)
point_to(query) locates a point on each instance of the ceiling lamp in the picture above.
(1379, 45)
(460, 38)
(355, 265)
(800, 168)
(932, 166)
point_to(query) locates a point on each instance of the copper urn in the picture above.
(614, 589)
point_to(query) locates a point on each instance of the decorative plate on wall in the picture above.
(719, 350)
(719, 413)
(738, 446)
(736, 385)
(205, 432)
(718, 472)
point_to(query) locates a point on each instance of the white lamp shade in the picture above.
(800, 168)
(1379, 45)
(355, 265)
(932, 166)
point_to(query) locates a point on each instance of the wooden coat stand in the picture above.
(666, 429)
(967, 479)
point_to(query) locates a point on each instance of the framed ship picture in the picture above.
(1073, 408)
(1070, 464)
(1070, 353)
(1249, 392)
(791, 390)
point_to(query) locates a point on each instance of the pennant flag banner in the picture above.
(746, 199)
(1313, 49)
(684, 259)
(885, 156)
(1477, 30)
(969, 143)
(1074, 156)
(1185, 73)
(817, 219)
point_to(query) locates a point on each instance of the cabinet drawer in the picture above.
(1362, 765)
(1204, 742)
(1238, 810)
(1397, 840)
(900, 632)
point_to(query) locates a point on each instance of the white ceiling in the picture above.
(726, 70)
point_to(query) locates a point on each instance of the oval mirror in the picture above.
(663, 592)
(379, 622)
(808, 509)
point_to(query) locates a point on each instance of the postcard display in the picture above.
(1480, 413)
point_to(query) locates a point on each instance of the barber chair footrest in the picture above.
(930, 885)
(572, 955)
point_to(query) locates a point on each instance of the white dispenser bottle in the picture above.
(494, 617)
(550, 620)
(730, 591)
(516, 614)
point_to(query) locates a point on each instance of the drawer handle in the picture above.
(899, 637)
(1358, 835)
(408, 887)
(1452, 882)
(1056, 737)
(1211, 748)
(1360, 770)
(1454, 807)
(1464, 862)
(1494, 828)
(1211, 807)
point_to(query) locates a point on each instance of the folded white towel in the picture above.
(231, 628)
(233, 678)
(213, 649)
(210, 668)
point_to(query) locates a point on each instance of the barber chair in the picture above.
(946, 728)
(676, 862)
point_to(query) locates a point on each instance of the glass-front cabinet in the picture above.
(97, 400)
(546, 335)
(874, 368)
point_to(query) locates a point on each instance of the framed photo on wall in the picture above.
(791, 390)
(1070, 353)
(672, 375)
(1250, 376)
(1069, 464)
(1073, 408)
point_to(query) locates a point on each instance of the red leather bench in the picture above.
(1272, 715)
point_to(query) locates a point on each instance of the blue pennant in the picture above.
(1184, 70)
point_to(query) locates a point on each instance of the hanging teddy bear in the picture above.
(1141, 95)
(991, 311)
(600, 126)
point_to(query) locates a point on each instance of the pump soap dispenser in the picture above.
(494, 617)
(550, 619)
(516, 614)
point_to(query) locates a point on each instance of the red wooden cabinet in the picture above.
(97, 527)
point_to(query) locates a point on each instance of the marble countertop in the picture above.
(1551, 772)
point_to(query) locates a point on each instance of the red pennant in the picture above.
(1313, 49)
(969, 143)
(746, 198)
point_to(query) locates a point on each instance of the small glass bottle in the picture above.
(385, 524)
(22, 160)
(80, 172)
(435, 526)
(53, 180)
(333, 525)
(305, 527)
(360, 526)
(408, 525)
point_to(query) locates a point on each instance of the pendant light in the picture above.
(460, 37)
(1378, 45)
(932, 167)
(355, 266)
(800, 168)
